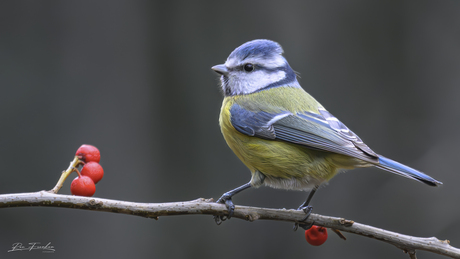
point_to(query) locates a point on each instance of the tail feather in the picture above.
(403, 170)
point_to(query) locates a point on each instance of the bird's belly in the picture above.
(283, 165)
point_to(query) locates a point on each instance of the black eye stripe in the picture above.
(257, 67)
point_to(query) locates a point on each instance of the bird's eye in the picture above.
(248, 67)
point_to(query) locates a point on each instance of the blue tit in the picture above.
(286, 138)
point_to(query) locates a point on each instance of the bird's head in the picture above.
(254, 66)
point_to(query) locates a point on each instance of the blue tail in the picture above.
(402, 170)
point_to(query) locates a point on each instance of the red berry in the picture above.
(316, 235)
(93, 170)
(83, 186)
(88, 153)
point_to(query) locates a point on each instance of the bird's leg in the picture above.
(307, 209)
(307, 201)
(227, 199)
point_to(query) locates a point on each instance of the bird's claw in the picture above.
(302, 223)
(307, 210)
(230, 207)
(219, 219)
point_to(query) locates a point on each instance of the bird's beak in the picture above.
(220, 69)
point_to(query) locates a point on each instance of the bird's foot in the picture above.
(302, 223)
(227, 200)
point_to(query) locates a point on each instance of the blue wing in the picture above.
(316, 131)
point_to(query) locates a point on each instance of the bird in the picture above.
(286, 138)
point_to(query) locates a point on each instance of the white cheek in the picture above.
(260, 79)
(251, 82)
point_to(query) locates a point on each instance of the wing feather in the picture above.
(319, 131)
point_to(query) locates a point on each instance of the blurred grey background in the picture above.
(133, 78)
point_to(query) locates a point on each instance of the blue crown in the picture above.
(260, 48)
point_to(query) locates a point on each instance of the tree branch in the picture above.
(408, 244)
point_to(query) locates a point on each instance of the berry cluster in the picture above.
(316, 235)
(90, 174)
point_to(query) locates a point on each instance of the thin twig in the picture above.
(407, 243)
(72, 167)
